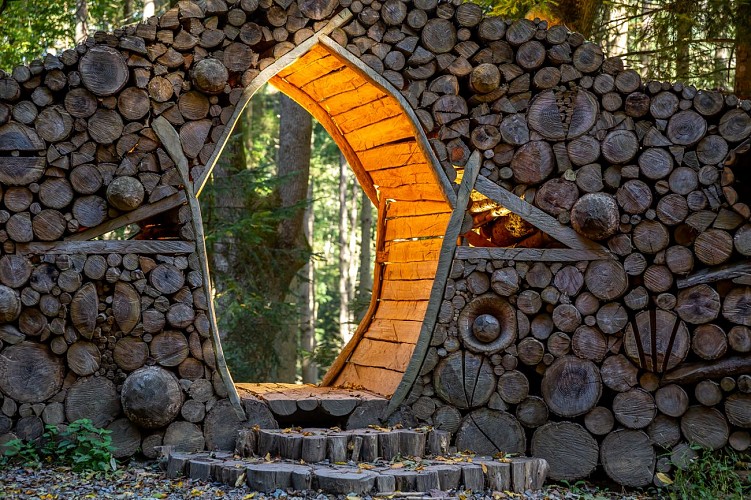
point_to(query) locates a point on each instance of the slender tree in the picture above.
(307, 302)
(82, 20)
(743, 49)
(365, 272)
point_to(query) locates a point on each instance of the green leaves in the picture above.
(80, 445)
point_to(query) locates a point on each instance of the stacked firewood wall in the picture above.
(610, 360)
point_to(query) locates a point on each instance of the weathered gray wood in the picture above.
(628, 457)
(107, 247)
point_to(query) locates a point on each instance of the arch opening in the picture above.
(393, 164)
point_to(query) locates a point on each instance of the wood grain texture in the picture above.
(448, 249)
(107, 247)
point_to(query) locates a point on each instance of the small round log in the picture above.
(103, 70)
(671, 400)
(30, 372)
(125, 193)
(635, 408)
(126, 438)
(706, 427)
(595, 216)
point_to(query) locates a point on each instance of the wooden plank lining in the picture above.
(393, 155)
(337, 82)
(412, 251)
(413, 192)
(445, 261)
(364, 114)
(407, 208)
(415, 227)
(409, 290)
(379, 354)
(379, 380)
(410, 270)
(342, 102)
(401, 309)
(400, 176)
(379, 81)
(385, 131)
(391, 330)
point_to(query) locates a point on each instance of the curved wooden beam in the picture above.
(445, 260)
(258, 82)
(171, 142)
(379, 81)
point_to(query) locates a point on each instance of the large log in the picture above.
(628, 457)
(488, 432)
(94, 398)
(569, 449)
(151, 397)
(22, 363)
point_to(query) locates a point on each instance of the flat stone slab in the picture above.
(453, 473)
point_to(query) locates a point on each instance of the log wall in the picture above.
(601, 292)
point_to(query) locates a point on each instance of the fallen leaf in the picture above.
(664, 478)
(484, 468)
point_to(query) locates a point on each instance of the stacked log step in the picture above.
(474, 473)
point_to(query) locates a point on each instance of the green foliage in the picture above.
(79, 445)
(709, 475)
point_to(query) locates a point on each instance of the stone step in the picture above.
(458, 472)
(336, 446)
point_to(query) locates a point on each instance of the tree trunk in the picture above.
(82, 15)
(293, 169)
(127, 11)
(365, 272)
(307, 301)
(344, 251)
(743, 51)
(684, 12)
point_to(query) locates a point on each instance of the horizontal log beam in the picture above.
(535, 216)
(531, 254)
(107, 246)
(726, 272)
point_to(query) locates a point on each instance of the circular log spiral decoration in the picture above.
(487, 324)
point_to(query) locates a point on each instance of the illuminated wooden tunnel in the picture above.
(384, 144)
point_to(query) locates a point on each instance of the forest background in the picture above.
(290, 233)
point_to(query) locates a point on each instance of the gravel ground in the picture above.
(147, 481)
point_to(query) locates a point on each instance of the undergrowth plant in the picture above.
(80, 445)
(710, 475)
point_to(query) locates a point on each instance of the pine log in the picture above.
(595, 216)
(568, 448)
(532, 412)
(606, 279)
(533, 162)
(599, 421)
(103, 70)
(126, 438)
(618, 373)
(706, 427)
(126, 306)
(167, 278)
(737, 306)
(628, 457)
(27, 361)
(672, 400)
(464, 380)
(10, 305)
(184, 436)
(686, 128)
(738, 410)
(125, 193)
(571, 386)
(709, 341)
(94, 398)
(131, 353)
(708, 393)
(151, 397)
(488, 432)
(106, 126)
(657, 340)
(634, 197)
(83, 358)
(698, 305)
(735, 125)
(635, 408)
